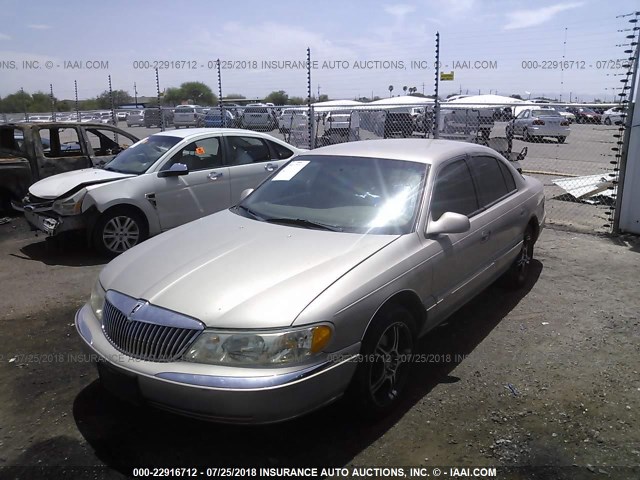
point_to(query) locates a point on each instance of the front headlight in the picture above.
(259, 348)
(71, 205)
(97, 300)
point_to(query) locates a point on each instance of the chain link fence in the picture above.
(571, 148)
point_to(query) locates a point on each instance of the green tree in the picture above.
(297, 101)
(277, 98)
(198, 93)
(41, 102)
(172, 96)
(16, 102)
(515, 95)
(119, 97)
(323, 98)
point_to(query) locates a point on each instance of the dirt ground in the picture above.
(545, 380)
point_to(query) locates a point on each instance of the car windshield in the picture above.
(544, 113)
(348, 194)
(141, 155)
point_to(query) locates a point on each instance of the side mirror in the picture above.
(175, 170)
(449, 222)
(245, 193)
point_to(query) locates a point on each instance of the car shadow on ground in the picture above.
(67, 250)
(123, 436)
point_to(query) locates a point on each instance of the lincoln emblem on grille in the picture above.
(134, 310)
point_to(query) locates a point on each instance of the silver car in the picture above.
(189, 116)
(258, 117)
(317, 284)
(135, 118)
(536, 123)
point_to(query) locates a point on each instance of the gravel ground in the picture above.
(544, 377)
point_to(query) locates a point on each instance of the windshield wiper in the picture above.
(250, 212)
(304, 223)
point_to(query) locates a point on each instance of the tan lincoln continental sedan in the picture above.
(316, 285)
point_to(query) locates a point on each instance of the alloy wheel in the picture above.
(120, 234)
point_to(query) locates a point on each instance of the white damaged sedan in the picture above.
(316, 284)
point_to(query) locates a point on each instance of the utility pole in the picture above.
(318, 92)
(135, 92)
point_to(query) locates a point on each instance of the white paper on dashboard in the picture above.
(291, 170)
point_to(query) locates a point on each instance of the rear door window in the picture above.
(489, 179)
(245, 150)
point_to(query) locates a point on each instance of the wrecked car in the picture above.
(32, 151)
(158, 183)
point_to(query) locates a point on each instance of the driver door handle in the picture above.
(486, 234)
(214, 176)
(270, 167)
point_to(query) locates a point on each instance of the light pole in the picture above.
(135, 92)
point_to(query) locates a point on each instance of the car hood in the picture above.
(57, 185)
(233, 272)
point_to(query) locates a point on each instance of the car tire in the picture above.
(383, 368)
(561, 139)
(119, 229)
(517, 275)
(607, 121)
(525, 135)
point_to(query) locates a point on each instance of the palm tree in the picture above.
(405, 89)
(390, 89)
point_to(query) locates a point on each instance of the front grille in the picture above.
(144, 339)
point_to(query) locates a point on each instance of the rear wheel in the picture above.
(383, 370)
(607, 121)
(561, 139)
(118, 230)
(518, 273)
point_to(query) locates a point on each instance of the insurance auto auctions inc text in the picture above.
(355, 64)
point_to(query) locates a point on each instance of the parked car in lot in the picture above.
(566, 114)
(290, 117)
(613, 116)
(537, 123)
(135, 118)
(152, 117)
(121, 116)
(258, 117)
(32, 151)
(317, 284)
(217, 118)
(162, 181)
(188, 116)
(584, 115)
(104, 118)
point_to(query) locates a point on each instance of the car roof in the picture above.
(189, 132)
(420, 150)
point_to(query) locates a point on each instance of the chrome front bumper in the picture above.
(223, 394)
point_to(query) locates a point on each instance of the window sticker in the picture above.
(291, 170)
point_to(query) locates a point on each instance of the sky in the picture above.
(358, 48)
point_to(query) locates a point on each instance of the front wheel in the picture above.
(383, 371)
(607, 121)
(118, 230)
(525, 135)
(561, 139)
